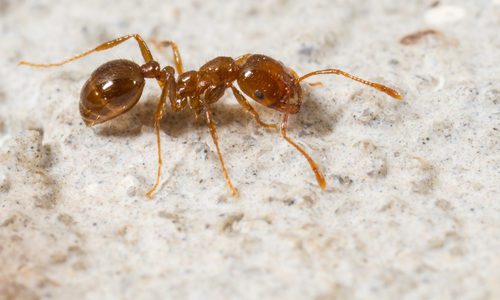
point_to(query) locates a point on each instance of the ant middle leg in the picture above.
(319, 177)
(215, 138)
(146, 53)
(175, 50)
(389, 91)
(249, 109)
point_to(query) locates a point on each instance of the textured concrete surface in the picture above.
(412, 207)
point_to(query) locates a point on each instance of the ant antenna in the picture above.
(391, 92)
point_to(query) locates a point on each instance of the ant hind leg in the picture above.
(146, 53)
(319, 177)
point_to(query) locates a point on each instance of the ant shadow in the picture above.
(311, 120)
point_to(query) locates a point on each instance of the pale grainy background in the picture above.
(412, 208)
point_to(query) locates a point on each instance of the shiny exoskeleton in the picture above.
(116, 86)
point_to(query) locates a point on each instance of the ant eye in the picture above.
(259, 94)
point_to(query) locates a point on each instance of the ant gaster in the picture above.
(116, 86)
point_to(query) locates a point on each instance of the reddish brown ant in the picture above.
(116, 86)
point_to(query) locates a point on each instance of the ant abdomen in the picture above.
(112, 89)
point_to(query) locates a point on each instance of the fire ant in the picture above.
(116, 86)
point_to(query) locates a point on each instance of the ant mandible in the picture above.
(116, 86)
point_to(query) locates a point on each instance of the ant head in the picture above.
(270, 83)
(112, 89)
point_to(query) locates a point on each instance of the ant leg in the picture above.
(249, 109)
(213, 133)
(391, 92)
(175, 50)
(160, 109)
(319, 177)
(146, 53)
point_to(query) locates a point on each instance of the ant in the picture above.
(116, 86)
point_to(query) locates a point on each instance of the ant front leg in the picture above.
(175, 50)
(215, 138)
(249, 109)
(319, 177)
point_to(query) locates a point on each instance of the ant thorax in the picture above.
(207, 85)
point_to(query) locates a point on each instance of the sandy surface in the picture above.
(412, 206)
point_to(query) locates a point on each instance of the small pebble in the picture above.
(130, 184)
